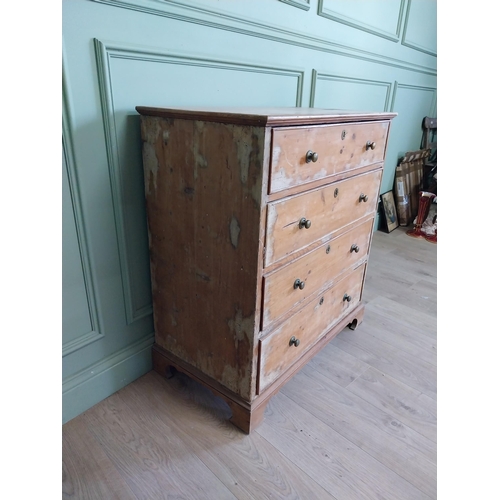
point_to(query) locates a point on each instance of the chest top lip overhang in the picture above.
(266, 116)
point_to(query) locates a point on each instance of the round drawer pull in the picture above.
(346, 297)
(354, 248)
(370, 145)
(311, 156)
(298, 284)
(294, 341)
(304, 223)
(363, 197)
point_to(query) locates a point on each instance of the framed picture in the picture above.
(389, 212)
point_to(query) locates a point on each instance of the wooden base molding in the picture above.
(248, 415)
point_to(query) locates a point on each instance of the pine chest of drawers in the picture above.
(260, 223)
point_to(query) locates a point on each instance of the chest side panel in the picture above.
(203, 189)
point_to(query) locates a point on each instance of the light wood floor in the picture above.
(358, 422)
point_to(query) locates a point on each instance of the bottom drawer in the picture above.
(284, 346)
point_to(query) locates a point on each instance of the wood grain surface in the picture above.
(318, 270)
(340, 148)
(276, 116)
(204, 184)
(330, 210)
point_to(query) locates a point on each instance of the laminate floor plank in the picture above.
(339, 365)
(388, 394)
(383, 279)
(247, 465)
(401, 314)
(153, 458)
(421, 296)
(88, 473)
(403, 337)
(377, 432)
(376, 422)
(384, 243)
(339, 465)
(404, 367)
(413, 259)
(421, 253)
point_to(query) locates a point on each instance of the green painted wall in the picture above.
(376, 55)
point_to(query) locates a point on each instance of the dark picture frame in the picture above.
(389, 211)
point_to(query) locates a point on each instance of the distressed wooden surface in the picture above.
(340, 148)
(213, 231)
(318, 270)
(327, 212)
(203, 190)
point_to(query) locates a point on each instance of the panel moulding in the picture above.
(413, 44)
(104, 53)
(95, 321)
(417, 88)
(83, 376)
(394, 35)
(301, 4)
(192, 13)
(317, 76)
(90, 386)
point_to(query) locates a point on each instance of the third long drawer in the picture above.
(294, 283)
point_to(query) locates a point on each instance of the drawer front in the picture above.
(308, 325)
(339, 148)
(328, 209)
(292, 284)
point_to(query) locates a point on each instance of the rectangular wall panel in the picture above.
(338, 92)
(131, 77)
(379, 18)
(419, 28)
(76, 318)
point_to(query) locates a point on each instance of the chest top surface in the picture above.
(265, 116)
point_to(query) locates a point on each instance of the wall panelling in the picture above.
(118, 54)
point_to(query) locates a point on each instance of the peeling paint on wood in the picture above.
(234, 231)
(150, 167)
(241, 327)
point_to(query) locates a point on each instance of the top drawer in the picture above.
(334, 149)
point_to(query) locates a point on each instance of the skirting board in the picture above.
(98, 382)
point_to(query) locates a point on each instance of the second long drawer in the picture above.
(295, 222)
(315, 271)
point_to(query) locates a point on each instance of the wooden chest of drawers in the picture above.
(260, 223)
